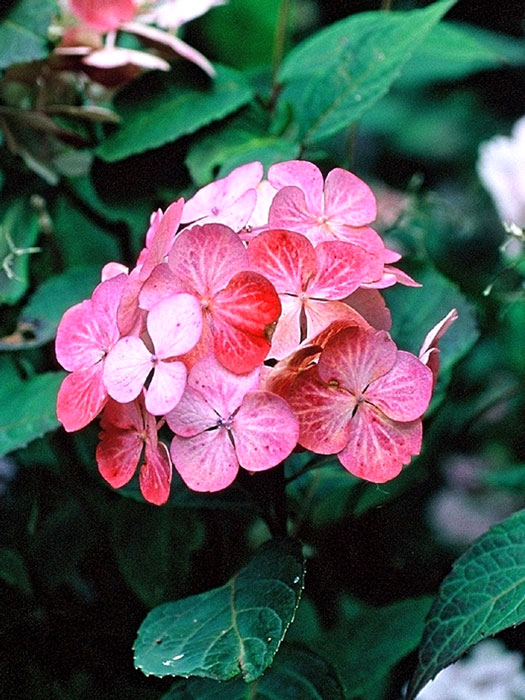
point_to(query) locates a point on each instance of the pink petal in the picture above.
(265, 194)
(370, 304)
(393, 275)
(265, 431)
(289, 210)
(348, 199)
(221, 389)
(323, 411)
(162, 240)
(205, 258)
(166, 387)
(171, 14)
(118, 454)
(103, 16)
(301, 174)
(238, 351)
(433, 337)
(249, 303)
(377, 447)
(126, 369)
(206, 462)
(287, 334)
(106, 300)
(192, 415)
(287, 259)
(364, 237)
(160, 284)
(81, 397)
(155, 474)
(117, 56)
(341, 268)
(77, 344)
(125, 416)
(129, 317)
(355, 357)
(175, 325)
(321, 314)
(404, 392)
(223, 193)
(113, 269)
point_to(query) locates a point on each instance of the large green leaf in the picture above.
(483, 594)
(175, 111)
(18, 233)
(229, 631)
(27, 407)
(334, 77)
(295, 673)
(453, 51)
(40, 317)
(23, 31)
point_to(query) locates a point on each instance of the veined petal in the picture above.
(236, 214)
(106, 299)
(206, 462)
(166, 387)
(192, 415)
(238, 351)
(126, 369)
(249, 303)
(161, 284)
(289, 210)
(324, 412)
(348, 199)
(117, 455)
(301, 174)
(175, 325)
(205, 258)
(321, 314)
(155, 474)
(404, 392)
(287, 259)
(77, 344)
(355, 356)
(287, 334)
(371, 306)
(162, 240)
(81, 397)
(265, 431)
(125, 416)
(341, 268)
(377, 447)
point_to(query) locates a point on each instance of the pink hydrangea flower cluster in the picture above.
(251, 324)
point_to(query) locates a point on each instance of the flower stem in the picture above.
(280, 37)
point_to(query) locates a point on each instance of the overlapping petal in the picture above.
(81, 397)
(206, 462)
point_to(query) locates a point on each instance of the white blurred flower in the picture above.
(490, 672)
(501, 169)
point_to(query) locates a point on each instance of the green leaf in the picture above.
(295, 673)
(334, 77)
(13, 570)
(176, 111)
(454, 51)
(231, 630)
(23, 31)
(361, 645)
(219, 153)
(40, 317)
(18, 232)
(483, 594)
(508, 479)
(27, 409)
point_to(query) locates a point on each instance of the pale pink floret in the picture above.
(222, 422)
(230, 200)
(364, 401)
(128, 430)
(103, 15)
(85, 335)
(429, 353)
(338, 209)
(174, 326)
(310, 283)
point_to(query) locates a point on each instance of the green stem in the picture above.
(386, 5)
(279, 43)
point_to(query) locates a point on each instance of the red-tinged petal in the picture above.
(162, 240)
(324, 412)
(378, 447)
(166, 387)
(118, 454)
(287, 334)
(206, 462)
(129, 316)
(393, 275)
(341, 268)
(287, 259)
(192, 415)
(122, 415)
(106, 299)
(364, 237)
(236, 350)
(175, 325)
(370, 305)
(155, 474)
(433, 337)
(289, 210)
(279, 379)
(103, 16)
(356, 356)
(265, 431)
(249, 303)
(77, 344)
(126, 369)
(302, 174)
(81, 397)
(205, 258)
(322, 314)
(223, 193)
(348, 199)
(160, 284)
(404, 393)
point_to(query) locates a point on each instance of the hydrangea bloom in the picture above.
(256, 328)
